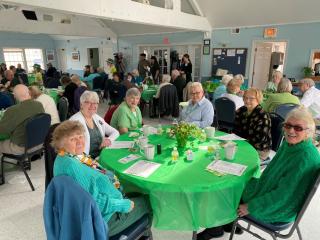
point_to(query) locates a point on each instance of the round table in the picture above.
(149, 93)
(184, 196)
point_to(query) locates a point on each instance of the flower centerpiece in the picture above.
(184, 131)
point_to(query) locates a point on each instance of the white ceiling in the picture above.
(239, 13)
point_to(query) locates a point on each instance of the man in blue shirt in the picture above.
(199, 110)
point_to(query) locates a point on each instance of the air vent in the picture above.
(47, 17)
(30, 15)
(235, 31)
(66, 21)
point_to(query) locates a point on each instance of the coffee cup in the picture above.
(148, 151)
(142, 141)
(210, 132)
(230, 150)
(146, 130)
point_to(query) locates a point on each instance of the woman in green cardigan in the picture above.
(69, 141)
(278, 195)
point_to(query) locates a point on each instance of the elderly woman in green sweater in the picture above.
(282, 96)
(277, 196)
(69, 142)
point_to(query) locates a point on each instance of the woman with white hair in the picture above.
(179, 82)
(282, 96)
(233, 88)
(128, 115)
(165, 81)
(277, 196)
(310, 93)
(98, 134)
(272, 86)
(223, 87)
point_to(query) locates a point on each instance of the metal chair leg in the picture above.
(2, 171)
(233, 230)
(299, 233)
(194, 235)
(26, 174)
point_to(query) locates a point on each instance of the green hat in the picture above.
(110, 61)
(36, 65)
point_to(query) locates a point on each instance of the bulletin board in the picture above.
(232, 59)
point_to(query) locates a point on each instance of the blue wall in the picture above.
(24, 40)
(81, 45)
(301, 39)
(129, 46)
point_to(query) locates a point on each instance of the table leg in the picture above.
(194, 235)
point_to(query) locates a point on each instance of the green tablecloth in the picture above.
(184, 196)
(149, 93)
(54, 93)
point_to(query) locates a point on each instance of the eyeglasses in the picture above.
(297, 128)
(196, 93)
(91, 103)
(249, 98)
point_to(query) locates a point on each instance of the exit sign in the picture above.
(270, 32)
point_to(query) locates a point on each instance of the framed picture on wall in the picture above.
(50, 55)
(206, 50)
(75, 56)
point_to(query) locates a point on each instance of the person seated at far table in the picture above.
(282, 96)
(136, 78)
(13, 122)
(277, 196)
(128, 116)
(128, 81)
(69, 90)
(272, 86)
(93, 74)
(310, 93)
(98, 134)
(233, 88)
(5, 100)
(47, 102)
(117, 91)
(199, 110)
(222, 89)
(118, 212)
(254, 124)
(179, 82)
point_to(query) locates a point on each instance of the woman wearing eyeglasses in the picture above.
(254, 124)
(98, 134)
(278, 195)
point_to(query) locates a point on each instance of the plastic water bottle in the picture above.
(174, 155)
(175, 122)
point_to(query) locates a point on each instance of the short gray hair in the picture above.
(302, 113)
(226, 79)
(196, 84)
(133, 92)
(89, 96)
(307, 81)
(166, 78)
(239, 78)
(277, 73)
(285, 85)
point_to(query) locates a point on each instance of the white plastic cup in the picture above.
(146, 130)
(210, 131)
(142, 141)
(148, 151)
(230, 151)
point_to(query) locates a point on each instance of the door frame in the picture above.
(254, 43)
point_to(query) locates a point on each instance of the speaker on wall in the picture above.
(30, 15)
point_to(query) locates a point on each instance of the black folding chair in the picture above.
(225, 113)
(275, 232)
(63, 108)
(37, 128)
(276, 130)
(98, 85)
(284, 109)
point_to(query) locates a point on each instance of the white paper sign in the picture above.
(240, 51)
(231, 52)
(129, 158)
(217, 52)
(226, 167)
(229, 137)
(121, 144)
(142, 168)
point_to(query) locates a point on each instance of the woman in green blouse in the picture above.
(128, 116)
(277, 196)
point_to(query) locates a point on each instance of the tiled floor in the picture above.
(21, 209)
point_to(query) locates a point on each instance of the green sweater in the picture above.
(284, 185)
(123, 117)
(14, 120)
(276, 99)
(108, 198)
